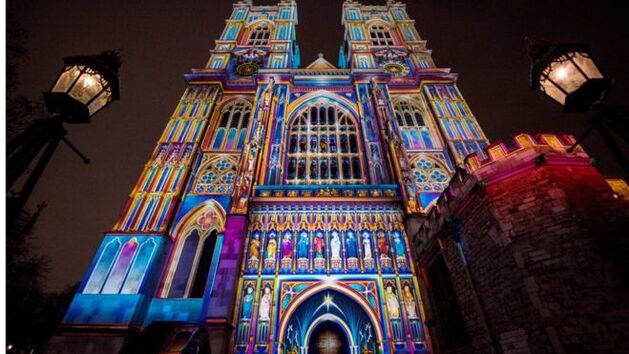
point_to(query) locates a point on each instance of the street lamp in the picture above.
(86, 85)
(567, 74)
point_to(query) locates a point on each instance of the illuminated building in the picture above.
(273, 213)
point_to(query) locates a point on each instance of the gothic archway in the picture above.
(191, 257)
(333, 309)
(329, 335)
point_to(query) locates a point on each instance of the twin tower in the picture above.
(275, 211)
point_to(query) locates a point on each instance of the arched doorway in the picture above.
(328, 338)
(329, 321)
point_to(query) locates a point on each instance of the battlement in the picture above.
(500, 151)
(526, 229)
(503, 159)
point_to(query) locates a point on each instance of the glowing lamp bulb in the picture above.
(88, 82)
(562, 73)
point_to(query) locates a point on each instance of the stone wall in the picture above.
(534, 242)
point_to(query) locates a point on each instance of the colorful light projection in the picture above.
(326, 239)
(339, 252)
(303, 177)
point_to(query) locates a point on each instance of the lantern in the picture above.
(567, 74)
(85, 86)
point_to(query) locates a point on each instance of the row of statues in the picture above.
(408, 300)
(264, 312)
(318, 245)
(391, 300)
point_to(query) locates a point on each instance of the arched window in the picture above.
(380, 35)
(231, 130)
(323, 147)
(409, 115)
(195, 252)
(260, 35)
(121, 267)
(429, 175)
(216, 175)
(103, 266)
(138, 268)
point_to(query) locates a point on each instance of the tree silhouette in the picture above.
(32, 314)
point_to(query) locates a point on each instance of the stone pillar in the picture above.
(534, 244)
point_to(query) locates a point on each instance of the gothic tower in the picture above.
(273, 214)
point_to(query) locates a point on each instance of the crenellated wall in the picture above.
(530, 243)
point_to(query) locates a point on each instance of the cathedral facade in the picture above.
(275, 212)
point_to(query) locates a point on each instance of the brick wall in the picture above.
(535, 250)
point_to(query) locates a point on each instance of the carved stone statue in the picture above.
(267, 95)
(335, 245)
(265, 305)
(367, 246)
(254, 250)
(350, 243)
(271, 247)
(302, 245)
(383, 245)
(318, 246)
(247, 303)
(393, 305)
(409, 302)
(398, 245)
(287, 246)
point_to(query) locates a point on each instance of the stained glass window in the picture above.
(456, 119)
(232, 126)
(260, 35)
(409, 115)
(324, 147)
(217, 175)
(121, 267)
(429, 175)
(103, 265)
(380, 35)
(138, 268)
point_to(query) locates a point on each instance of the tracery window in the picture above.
(410, 118)
(260, 35)
(324, 147)
(217, 175)
(232, 127)
(380, 35)
(429, 175)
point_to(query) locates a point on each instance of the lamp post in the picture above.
(85, 85)
(567, 74)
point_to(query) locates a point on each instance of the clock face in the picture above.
(246, 69)
(395, 69)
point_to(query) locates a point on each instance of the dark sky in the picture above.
(482, 40)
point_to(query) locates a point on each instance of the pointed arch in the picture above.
(305, 295)
(324, 142)
(332, 318)
(318, 96)
(378, 20)
(216, 174)
(430, 174)
(259, 33)
(232, 119)
(207, 207)
(380, 32)
(194, 241)
(414, 120)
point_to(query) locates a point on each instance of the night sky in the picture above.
(160, 41)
